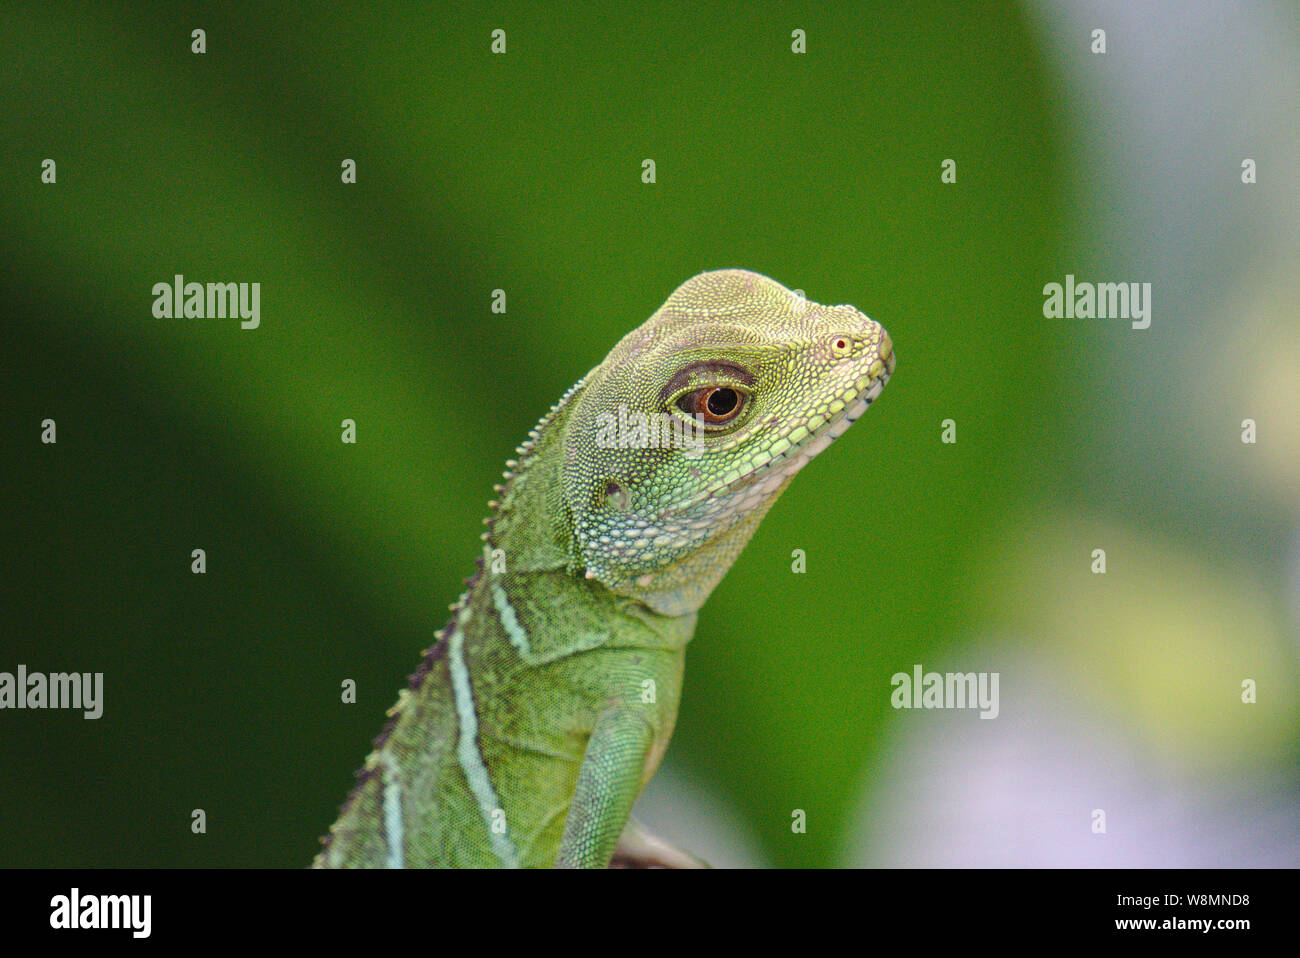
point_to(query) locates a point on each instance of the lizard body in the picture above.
(550, 697)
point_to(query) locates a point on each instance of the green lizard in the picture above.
(546, 704)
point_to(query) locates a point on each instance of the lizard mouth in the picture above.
(848, 416)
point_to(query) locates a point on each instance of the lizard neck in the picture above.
(530, 549)
(531, 529)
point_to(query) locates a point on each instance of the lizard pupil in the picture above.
(721, 401)
(717, 404)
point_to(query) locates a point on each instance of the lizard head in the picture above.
(696, 421)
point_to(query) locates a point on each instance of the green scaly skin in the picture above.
(549, 699)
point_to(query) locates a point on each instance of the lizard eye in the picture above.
(716, 405)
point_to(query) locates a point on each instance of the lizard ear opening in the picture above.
(615, 496)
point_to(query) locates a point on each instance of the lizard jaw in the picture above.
(769, 476)
(745, 495)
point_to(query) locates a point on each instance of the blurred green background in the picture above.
(522, 172)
